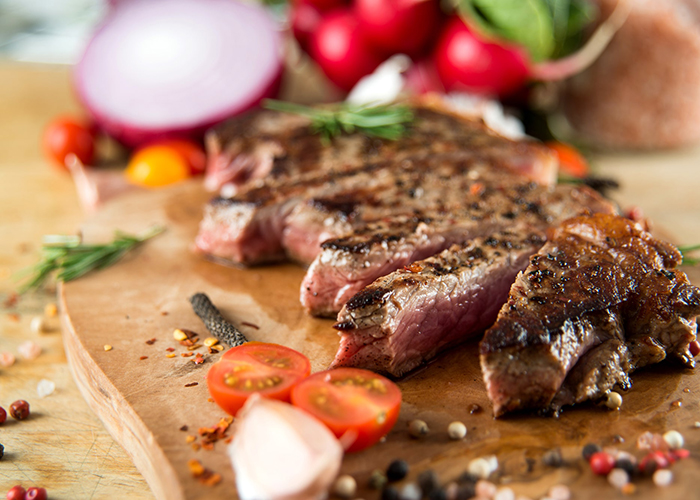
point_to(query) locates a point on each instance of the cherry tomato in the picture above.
(353, 403)
(16, 493)
(341, 52)
(192, 152)
(66, 135)
(571, 161)
(36, 494)
(402, 26)
(465, 61)
(156, 166)
(268, 369)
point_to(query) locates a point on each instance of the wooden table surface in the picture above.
(63, 446)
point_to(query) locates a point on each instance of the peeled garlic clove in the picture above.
(280, 452)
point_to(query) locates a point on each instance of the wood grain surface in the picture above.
(65, 448)
(143, 397)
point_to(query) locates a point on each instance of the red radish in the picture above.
(173, 68)
(305, 19)
(322, 5)
(340, 50)
(465, 61)
(398, 25)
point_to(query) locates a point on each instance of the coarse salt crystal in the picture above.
(7, 358)
(663, 477)
(485, 489)
(559, 492)
(618, 478)
(29, 350)
(504, 493)
(674, 439)
(45, 388)
(479, 467)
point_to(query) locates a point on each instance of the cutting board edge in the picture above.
(99, 393)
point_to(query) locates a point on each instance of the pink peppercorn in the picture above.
(3, 415)
(602, 463)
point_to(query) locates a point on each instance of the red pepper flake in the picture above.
(210, 400)
(151, 341)
(184, 428)
(13, 317)
(186, 354)
(164, 313)
(204, 475)
(143, 357)
(252, 325)
(210, 435)
(196, 446)
(199, 359)
(191, 384)
(189, 342)
(477, 189)
(170, 349)
(11, 300)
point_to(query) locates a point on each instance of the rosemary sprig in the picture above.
(386, 121)
(689, 261)
(71, 259)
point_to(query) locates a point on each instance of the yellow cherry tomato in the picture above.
(156, 166)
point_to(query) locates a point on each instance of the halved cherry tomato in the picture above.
(571, 161)
(66, 135)
(268, 369)
(357, 405)
(156, 166)
(193, 153)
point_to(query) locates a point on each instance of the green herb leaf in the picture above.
(525, 22)
(687, 260)
(70, 259)
(385, 121)
(547, 29)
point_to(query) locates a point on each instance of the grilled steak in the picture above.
(488, 201)
(599, 300)
(407, 317)
(274, 145)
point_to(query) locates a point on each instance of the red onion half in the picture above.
(173, 68)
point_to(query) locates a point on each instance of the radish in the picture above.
(172, 68)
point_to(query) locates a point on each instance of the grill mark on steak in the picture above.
(346, 265)
(600, 278)
(279, 145)
(407, 317)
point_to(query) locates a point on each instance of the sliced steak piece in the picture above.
(407, 317)
(274, 145)
(595, 274)
(489, 203)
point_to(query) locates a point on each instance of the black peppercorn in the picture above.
(428, 481)
(553, 458)
(438, 494)
(390, 493)
(626, 465)
(397, 470)
(589, 450)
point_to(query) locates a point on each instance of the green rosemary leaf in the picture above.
(687, 260)
(384, 121)
(69, 258)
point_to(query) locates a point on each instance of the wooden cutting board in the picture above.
(142, 398)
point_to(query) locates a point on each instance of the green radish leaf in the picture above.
(526, 22)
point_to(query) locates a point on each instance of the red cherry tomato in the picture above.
(402, 26)
(268, 369)
(305, 19)
(357, 404)
(465, 61)
(36, 494)
(16, 493)
(340, 50)
(192, 152)
(322, 5)
(66, 135)
(571, 161)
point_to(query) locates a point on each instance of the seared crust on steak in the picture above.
(407, 317)
(275, 145)
(487, 201)
(599, 278)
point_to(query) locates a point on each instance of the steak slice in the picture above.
(407, 317)
(266, 145)
(490, 202)
(599, 278)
